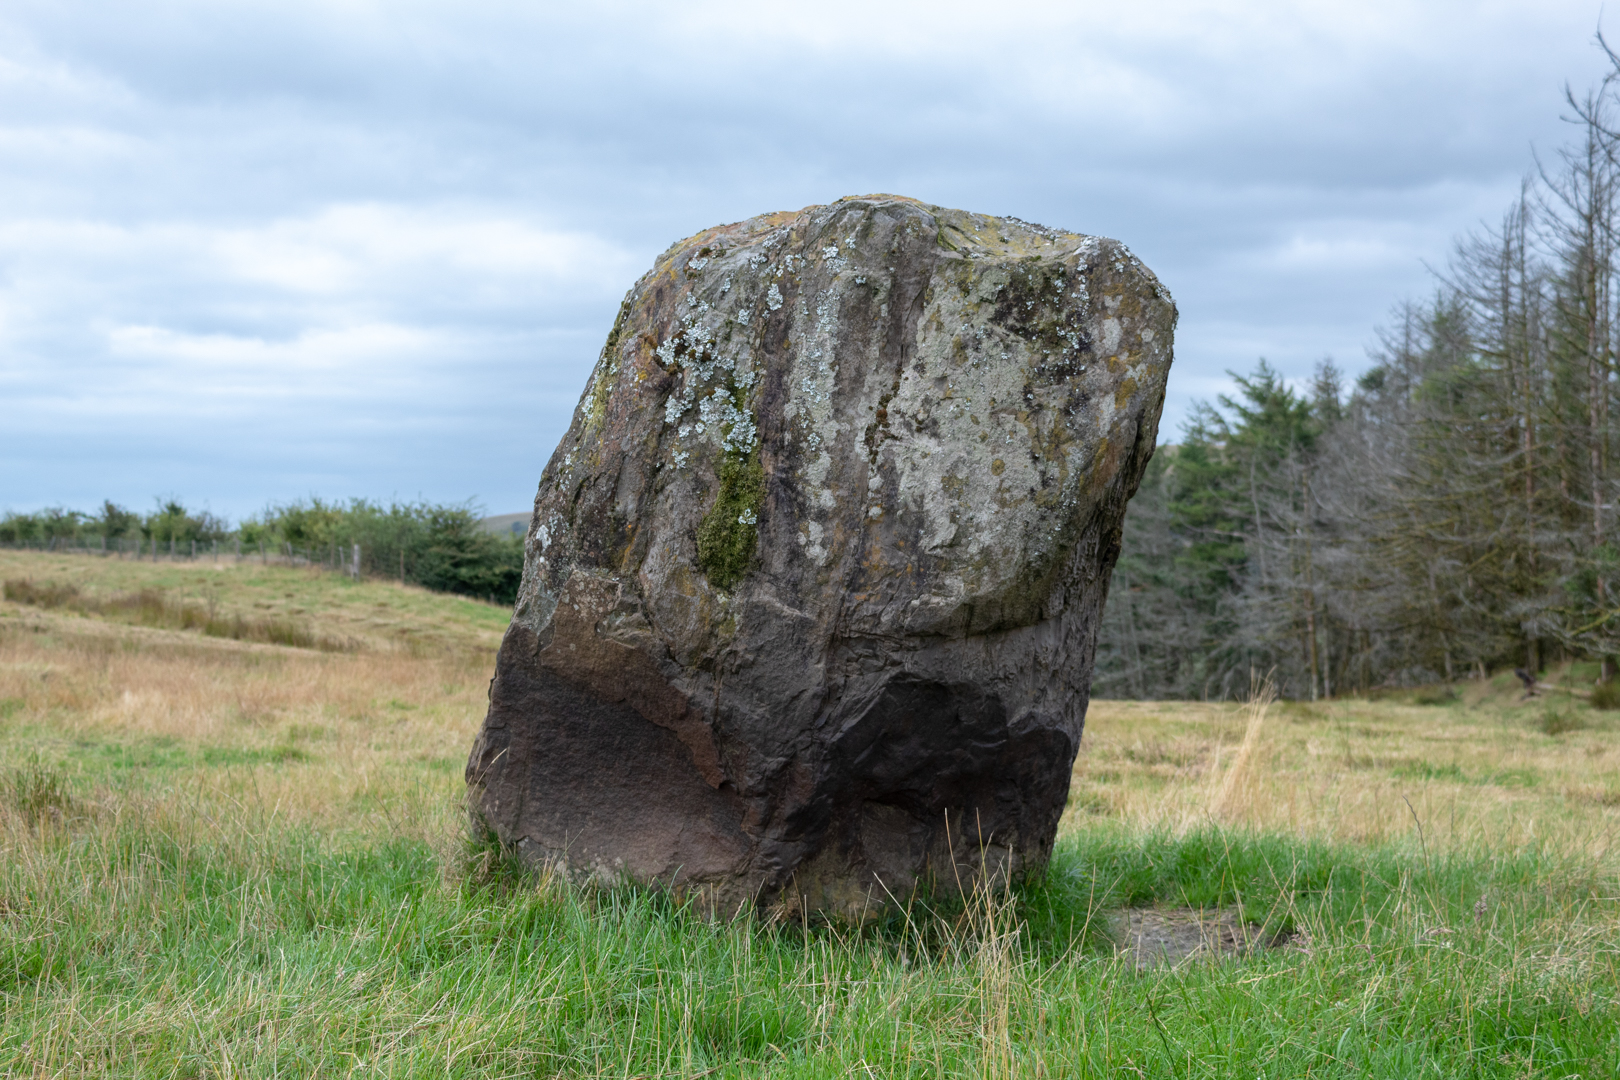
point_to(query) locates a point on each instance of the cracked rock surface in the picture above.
(812, 584)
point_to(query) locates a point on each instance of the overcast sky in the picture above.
(256, 251)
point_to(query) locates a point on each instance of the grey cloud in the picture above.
(202, 174)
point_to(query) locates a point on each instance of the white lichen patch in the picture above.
(1108, 340)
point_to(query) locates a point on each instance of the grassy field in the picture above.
(223, 857)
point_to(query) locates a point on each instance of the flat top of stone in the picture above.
(967, 234)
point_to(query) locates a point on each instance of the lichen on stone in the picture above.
(729, 534)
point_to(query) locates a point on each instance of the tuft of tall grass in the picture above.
(1232, 797)
(47, 595)
(36, 794)
(1559, 721)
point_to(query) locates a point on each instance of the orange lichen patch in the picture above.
(1122, 394)
(1105, 464)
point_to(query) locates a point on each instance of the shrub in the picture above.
(1556, 721)
(115, 521)
(460, 557)
(1606, 695)
(172, 522)
(19, 528)
(440, 547)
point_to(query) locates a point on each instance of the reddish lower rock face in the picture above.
(813, 581)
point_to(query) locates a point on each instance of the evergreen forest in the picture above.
(1450, 512)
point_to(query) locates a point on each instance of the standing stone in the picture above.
(812, 585)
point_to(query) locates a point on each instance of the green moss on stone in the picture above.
(728, 536)
(612, 345)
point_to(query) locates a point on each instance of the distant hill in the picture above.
(517, 524)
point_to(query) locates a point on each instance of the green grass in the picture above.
(166, 753)
(1508, 778)
(158, 945)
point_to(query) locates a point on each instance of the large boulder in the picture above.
(813, 581)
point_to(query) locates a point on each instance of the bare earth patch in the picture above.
(1155, 937)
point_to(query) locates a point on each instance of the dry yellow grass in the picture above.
(1479, 771)
(375, 739)
(376, 615)
(371, 741)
